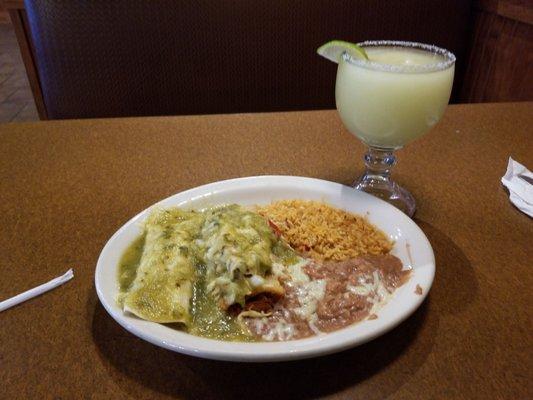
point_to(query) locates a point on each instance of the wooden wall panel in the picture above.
(4, 15)
(500, 62)
(21, 27)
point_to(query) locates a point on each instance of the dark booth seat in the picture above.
(139, 57)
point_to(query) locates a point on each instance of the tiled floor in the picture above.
(16, 100)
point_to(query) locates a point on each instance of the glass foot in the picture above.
(387, 190)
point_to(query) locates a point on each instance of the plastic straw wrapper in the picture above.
(29, 294)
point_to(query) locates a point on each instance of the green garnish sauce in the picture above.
(208, 319)
(129, 262)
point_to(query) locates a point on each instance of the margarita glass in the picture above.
(388, 100)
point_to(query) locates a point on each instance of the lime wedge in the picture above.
(333, 50)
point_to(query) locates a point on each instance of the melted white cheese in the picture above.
(373, 288)
(297, 273)
(309, 294)
(282, 330)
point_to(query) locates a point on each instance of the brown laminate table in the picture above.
(66, 186)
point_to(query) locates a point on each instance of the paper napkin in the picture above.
(519, 180)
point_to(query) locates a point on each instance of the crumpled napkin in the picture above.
(519, 180)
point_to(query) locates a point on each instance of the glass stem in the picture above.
(379, 163)
(376, 180)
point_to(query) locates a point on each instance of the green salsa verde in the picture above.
(129, 262)
(207, 318)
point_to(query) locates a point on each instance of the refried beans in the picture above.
(324, 297)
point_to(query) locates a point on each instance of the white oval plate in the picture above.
(412, 247)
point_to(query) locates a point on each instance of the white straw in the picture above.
(45, 287)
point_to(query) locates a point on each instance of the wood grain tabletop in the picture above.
(67, 186)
